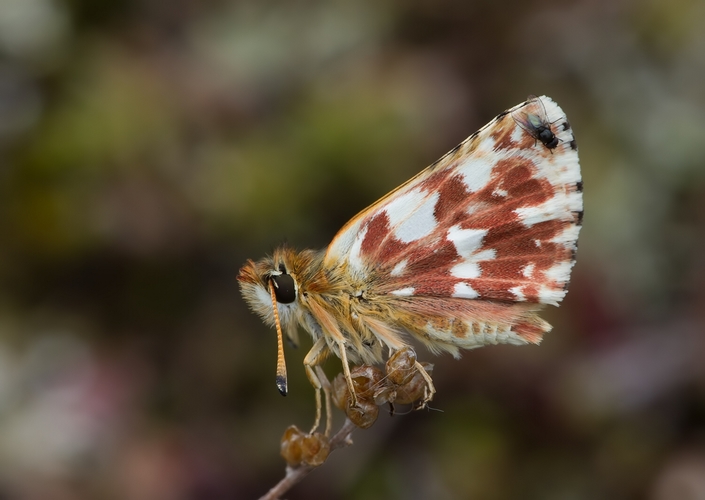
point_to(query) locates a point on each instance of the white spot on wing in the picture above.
(560, 272)
(487, 144)
(466, 241)
(466, 270)
(399, 268)
(404, 292)
(568, 236)
(559, 207)
(411, 215)
(516, 134)
(488, 254)
(354, 258)
(464, 291)
(528, 270)
(550, 296)
(343, 241)
(476, 172)
(518, 293)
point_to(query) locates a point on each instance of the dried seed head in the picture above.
(364, 414)
(340, 392)
(298, 447)
(385, 393)
(401, 366)
(314, 449)
(403, 384)
(290, 447)
(366, 380)
(415, 388)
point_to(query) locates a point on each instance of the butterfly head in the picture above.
(270, 288)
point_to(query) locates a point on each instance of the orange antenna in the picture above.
(281, 363)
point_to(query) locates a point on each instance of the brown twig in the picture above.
(296, 474)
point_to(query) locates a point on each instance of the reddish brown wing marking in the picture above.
(497, 218)
(511, 245)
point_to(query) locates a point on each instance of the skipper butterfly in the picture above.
(462, 255)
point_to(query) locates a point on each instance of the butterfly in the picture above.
(462, 255)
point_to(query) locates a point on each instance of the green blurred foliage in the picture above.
(147, 149)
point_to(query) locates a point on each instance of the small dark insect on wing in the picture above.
(534, 120)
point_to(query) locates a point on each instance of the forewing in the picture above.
(496, 218)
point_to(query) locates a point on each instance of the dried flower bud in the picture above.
(340, 393)
(364, 414)
(366, 380)
(404, 384)
(297, 447)
(314, 449)
(385, 393)
(401, 366)
(290, 447)
(415, 388)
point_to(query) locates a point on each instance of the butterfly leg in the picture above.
(326, 391)
(430, 388)
(318, 353)
(346, 373)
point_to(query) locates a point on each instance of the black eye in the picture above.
(284, 288)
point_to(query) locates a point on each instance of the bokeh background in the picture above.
(148, 148)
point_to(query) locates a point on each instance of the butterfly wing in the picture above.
(497, 218)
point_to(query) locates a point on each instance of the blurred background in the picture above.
(148, 148)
